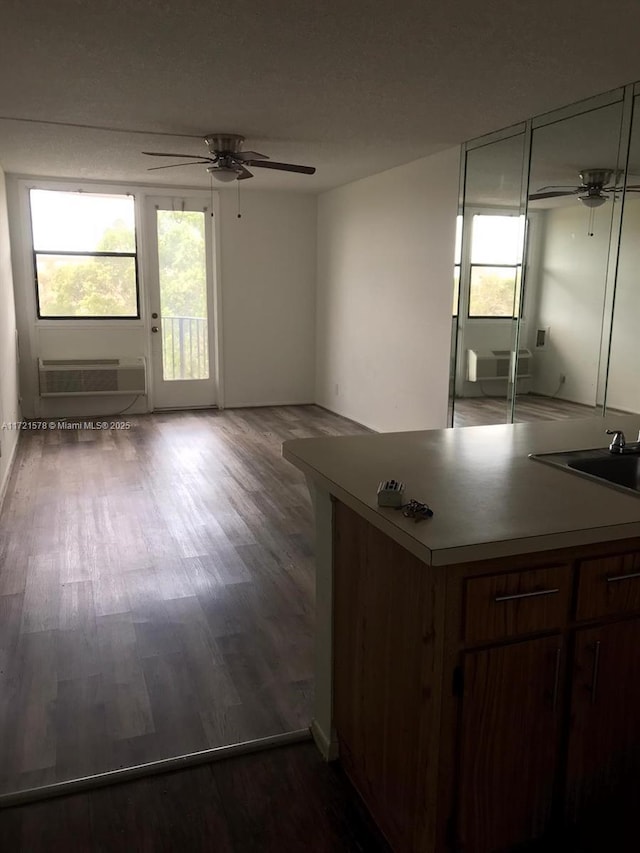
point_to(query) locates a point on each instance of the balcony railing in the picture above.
(185, 348)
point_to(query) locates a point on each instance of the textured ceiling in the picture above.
(351, 88)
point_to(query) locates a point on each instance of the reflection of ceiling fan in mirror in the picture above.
(592, 190)
(226, 160)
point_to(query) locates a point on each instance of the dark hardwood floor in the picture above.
(156, 591)
(480, 411)
(286, 800)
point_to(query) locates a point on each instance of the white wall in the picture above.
(385, 289)
(267, 265)
(9, 407)
(571, 294)
(268, 274)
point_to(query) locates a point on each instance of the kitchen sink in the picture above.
(619, 470)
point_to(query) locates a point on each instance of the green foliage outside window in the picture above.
(181, 255)
(95, 286)
(75, 286)
(492, 291)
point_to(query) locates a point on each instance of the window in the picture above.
(495, 265)
(84, 247)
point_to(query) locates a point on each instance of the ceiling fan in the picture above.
(226, 161)
(592, 189)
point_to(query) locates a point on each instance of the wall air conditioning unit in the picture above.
(91, 377)
(496, 364)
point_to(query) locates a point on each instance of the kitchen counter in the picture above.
(489, 499)
(489, 648)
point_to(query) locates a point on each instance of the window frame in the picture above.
(457, 269)
(75, 318)
(466, 267)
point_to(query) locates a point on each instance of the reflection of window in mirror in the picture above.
(495, 265)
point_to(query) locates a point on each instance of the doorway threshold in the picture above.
(152, 768)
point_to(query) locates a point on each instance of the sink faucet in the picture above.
(619, 443)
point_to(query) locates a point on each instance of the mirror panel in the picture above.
(555, 308)
(623, 385)
(488, 270)
(573, 177)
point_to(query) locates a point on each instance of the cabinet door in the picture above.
(604, 739)
(509, 743)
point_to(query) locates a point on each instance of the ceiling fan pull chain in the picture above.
(592, 219)
(238, 186)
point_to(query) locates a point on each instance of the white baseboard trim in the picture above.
(328, 746)
(7, 474)
(263, 405)
(213, 407)
(345, 418)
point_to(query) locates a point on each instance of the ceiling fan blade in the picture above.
(630, 188)
(250, 155)
(243, 174)
(174, 165)
(283, 167)
(561, 187)
(538, 196)
(160, 154)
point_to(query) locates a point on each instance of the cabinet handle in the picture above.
(525, 595)
(556, 678)
(615, 578)
(596, 664)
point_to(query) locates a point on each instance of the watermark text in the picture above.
(66, 425)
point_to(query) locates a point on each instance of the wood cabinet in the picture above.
(481, 706)
(603, 765)
(608, 586)
(515, 603)
(509, 743)
(383, 626)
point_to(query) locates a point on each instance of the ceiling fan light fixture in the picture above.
(592, 200)
(223, 174)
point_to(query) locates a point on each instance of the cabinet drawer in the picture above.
(502, 606)
(608, 586)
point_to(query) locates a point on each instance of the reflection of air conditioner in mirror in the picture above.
(91, 377)
(496, 364)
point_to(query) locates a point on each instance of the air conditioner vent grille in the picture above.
(66, 377)
(496, 364)
(62, 362)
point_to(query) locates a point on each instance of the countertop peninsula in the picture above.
(489, 499)
(487, 653)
